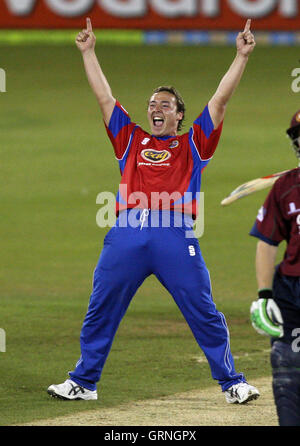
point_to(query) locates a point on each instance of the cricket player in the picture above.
(276, 313)
(154, 165)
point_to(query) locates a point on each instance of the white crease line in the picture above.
(202, 358)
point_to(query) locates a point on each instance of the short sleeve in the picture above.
(205, 136)
(269, 225)
(119, 130)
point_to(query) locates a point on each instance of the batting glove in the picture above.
(265, 315)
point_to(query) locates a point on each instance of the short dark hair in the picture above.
(179, 101)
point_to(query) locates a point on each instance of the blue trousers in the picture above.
(130, 254)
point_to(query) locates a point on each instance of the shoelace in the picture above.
(233, 390)
(75, 389)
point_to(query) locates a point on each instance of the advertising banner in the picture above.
(269, 15)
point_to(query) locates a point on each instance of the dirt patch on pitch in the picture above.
(204, 407)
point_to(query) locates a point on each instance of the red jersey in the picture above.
(279, 219)
(161, 172)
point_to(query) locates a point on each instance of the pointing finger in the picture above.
(247, 26)
(89, 25)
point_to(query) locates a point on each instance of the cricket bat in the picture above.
(252, 186)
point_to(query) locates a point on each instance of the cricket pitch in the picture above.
(203, 407)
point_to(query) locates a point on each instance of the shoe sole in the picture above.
(247, 400)
(60, 397)
(250, 397)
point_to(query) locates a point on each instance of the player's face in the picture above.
(162, 114)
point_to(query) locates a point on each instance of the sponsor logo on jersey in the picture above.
(145, 141)
(261, 214)
(155, 156)
(174, 144)
(293, 209)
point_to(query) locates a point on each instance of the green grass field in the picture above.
(56, 158)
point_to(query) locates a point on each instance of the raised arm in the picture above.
(245, 44)
(86, 42)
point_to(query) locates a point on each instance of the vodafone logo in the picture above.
(63, 8)
(164, 8)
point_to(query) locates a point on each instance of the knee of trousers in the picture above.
(286, 383)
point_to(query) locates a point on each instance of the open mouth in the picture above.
(158, 122)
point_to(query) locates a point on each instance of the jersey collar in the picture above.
(163, 138)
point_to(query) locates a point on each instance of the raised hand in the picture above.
(245, 42)
(86, 39)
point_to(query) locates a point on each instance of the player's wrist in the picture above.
(88, 52)
(265, 293)
(242, 56)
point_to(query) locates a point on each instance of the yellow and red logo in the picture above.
(155, 156)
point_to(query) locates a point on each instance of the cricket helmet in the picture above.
(294, 132)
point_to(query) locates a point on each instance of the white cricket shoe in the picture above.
(69, 390)
(241, 393)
